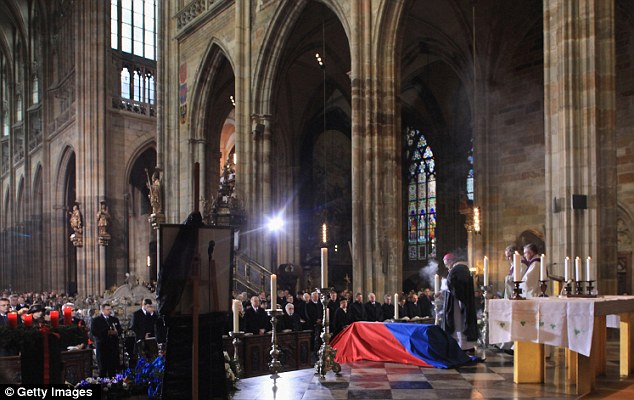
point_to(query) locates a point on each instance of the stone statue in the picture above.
(76, 223)
(76, 219)
(154, 185)
(103, 220)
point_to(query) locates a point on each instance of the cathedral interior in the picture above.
(403, 129)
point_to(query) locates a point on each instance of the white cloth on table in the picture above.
(557, 322)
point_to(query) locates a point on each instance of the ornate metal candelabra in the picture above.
(568, 288)
(485, 318)
(543, 286)
(236, 344)
(326, 356)
(517, 291)
(275, 366)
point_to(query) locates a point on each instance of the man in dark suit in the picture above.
(373, 310)
(387, 307)
(357, 309)
(342, 317)
(4, 310)
(255, 319)
(105, 330)
(290, 320)
(143, 325)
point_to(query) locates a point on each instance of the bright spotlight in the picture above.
(275, 223)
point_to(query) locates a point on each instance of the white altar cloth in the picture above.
(561, 322)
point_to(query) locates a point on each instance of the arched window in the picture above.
(4, 96)
(125, 83)
(421, 200)
(133, 27)
(35, 95)
(470, 175)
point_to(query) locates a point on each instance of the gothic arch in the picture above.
(205, 79)
(269, 58)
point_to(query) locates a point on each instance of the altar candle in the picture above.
(327, 320)
(54, 318)
(68, 317)
(273, 291)
(324, 267)
(236, 315)
(28, 320)
(589, 276)
(578, 276)
(543, 275)
(13, 319)
(396, 305)
(567, 269)
(486, 271)
(517, 267)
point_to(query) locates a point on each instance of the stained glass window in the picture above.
(470, 175)
(421, 207)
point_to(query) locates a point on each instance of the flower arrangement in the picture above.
(145, 378)
(231, 372)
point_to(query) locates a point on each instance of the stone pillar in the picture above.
(579, 108)
(376, 181)
(245, 146)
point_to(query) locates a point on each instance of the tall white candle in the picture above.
(236, 315)
(567, 269)
(274, 292)
(578, 273)
(327, 316)
(543, 275)
(324, 267)
(396, 305)
(486, 271)
(436, 283)
(517, 267)
(589, 275)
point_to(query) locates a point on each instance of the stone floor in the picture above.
(491, 379)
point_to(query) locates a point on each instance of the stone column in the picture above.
(91, 165)
(376, 182)
(579, 108)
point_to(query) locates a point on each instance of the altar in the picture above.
(577, 324)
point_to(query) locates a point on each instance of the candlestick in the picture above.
(543, 286)
(486, 271)
(28, 320)
(236, 315)
(274, 291)
(13, 319)
(578, 274)
(589, 276)
(275, 364)
(68, 317)
(54, 318)
(567, 269)
(543, 274)
(517, 267)
(236, 345)
(324, 267)
(326, 354)
(396, 305)
(517, 291)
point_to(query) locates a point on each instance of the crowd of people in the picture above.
(304, 311)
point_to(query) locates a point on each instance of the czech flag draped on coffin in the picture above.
(417, 344)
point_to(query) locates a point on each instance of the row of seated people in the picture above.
(308, 313)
